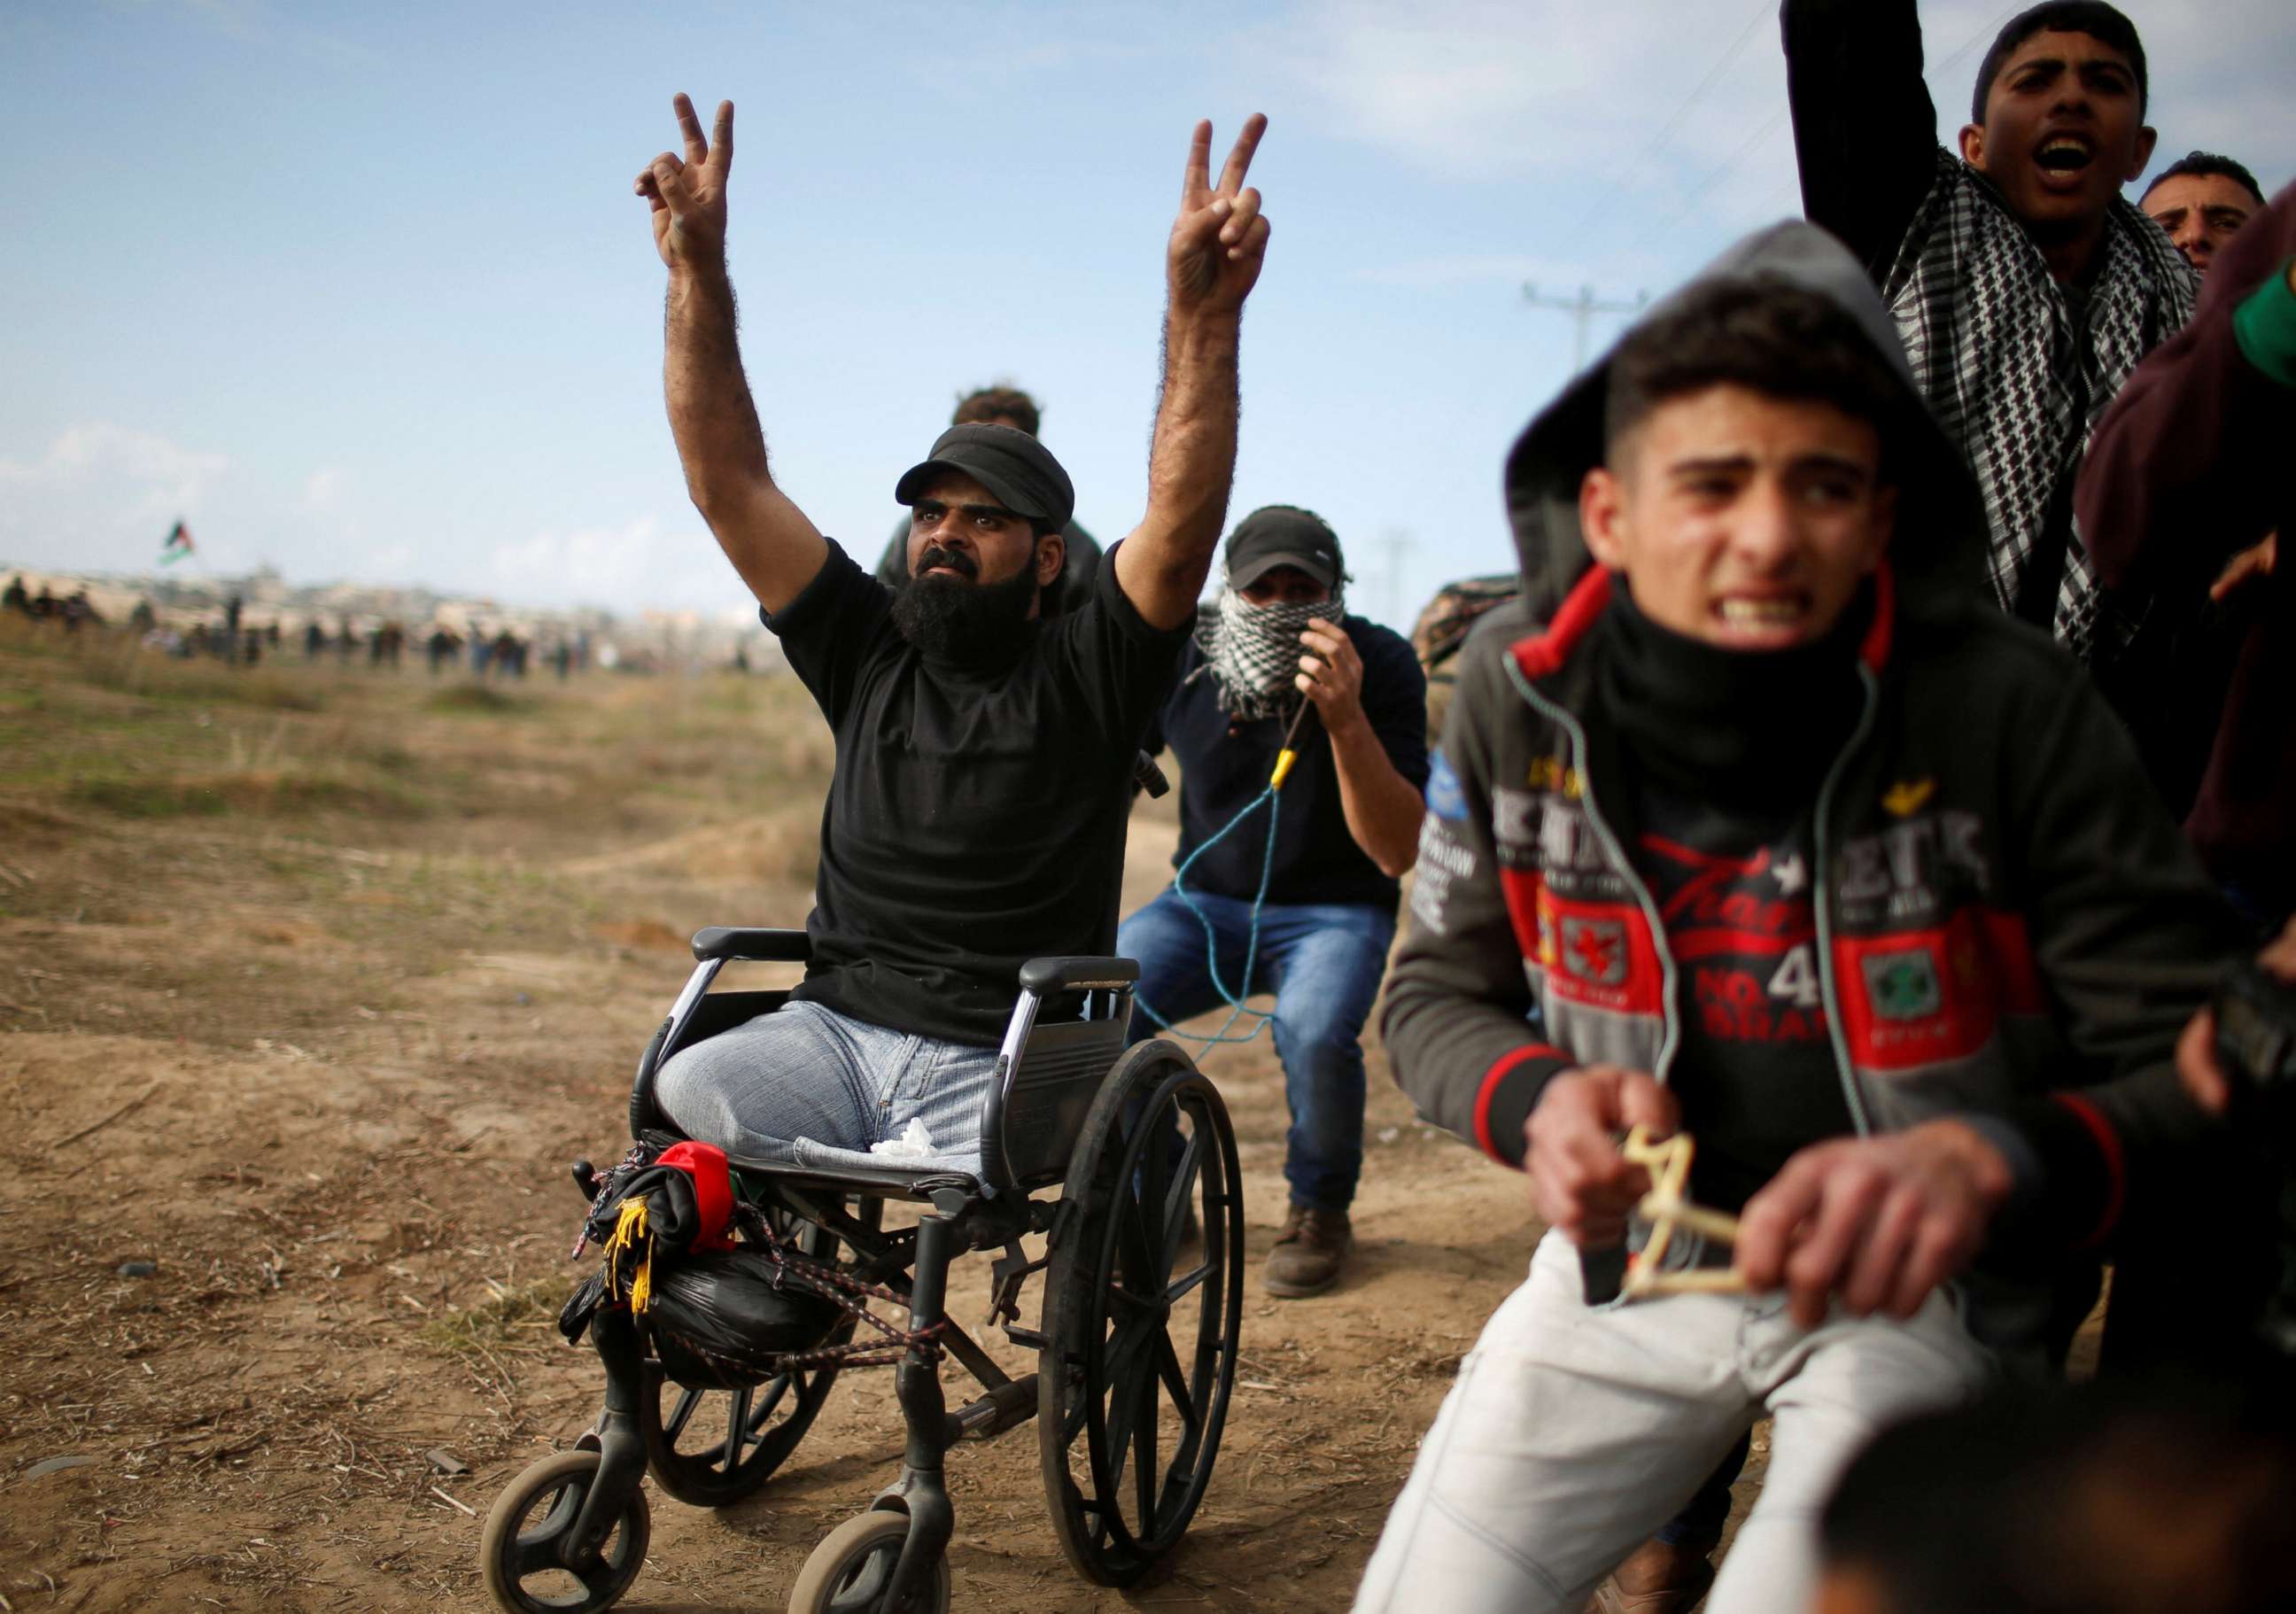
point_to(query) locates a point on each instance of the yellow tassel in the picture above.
(629, 1228)
(1284, 759)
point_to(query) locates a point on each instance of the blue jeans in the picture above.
(1324, 962)
(1699, 1525)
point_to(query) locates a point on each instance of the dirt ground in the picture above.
(312, 981)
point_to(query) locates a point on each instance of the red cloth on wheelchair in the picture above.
(713, 1190)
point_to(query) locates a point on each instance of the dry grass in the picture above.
(328, 972)
(95, 725)
(115, 660)
(512, 1317)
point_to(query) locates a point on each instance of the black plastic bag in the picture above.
(581, 1305)
(720, 1321)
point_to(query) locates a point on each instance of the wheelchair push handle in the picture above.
(1043, 975)
(1602, 1273)
(725, 942)
(1148, 778)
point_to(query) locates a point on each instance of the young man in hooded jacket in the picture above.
(1776, 836)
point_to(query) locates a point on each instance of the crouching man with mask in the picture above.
(1347, 828)
(983, 785)
(1778, 836)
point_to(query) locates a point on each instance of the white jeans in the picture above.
(1574, 1432)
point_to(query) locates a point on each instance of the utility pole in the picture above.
(1399, 544)
(1582, 308)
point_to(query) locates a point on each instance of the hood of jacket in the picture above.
(1939, 548)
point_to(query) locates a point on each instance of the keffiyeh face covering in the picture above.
(1252, 651)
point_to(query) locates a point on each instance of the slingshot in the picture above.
(1665, 1208)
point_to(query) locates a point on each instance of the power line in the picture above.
(1763, 10)
(1770, 128)
(1974, 40)
(1699, 192)
(1761, 13)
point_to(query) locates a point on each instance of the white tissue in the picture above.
(914, 1144)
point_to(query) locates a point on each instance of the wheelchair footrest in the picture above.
(993, 1413)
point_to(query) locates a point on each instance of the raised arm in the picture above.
(1218, 244)
(1864, 128)
(766, 538)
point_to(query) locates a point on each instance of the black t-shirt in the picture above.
(1225, 764)
(1755, 1073)
(976, 818)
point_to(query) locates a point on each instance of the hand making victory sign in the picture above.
(688, 198)
(1210, 264)
(1220, 240)
(771, 542)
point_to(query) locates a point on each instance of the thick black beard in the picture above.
(971, 623)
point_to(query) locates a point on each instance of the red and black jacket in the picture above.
(2009, 926)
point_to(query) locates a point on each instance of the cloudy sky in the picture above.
(363, 292)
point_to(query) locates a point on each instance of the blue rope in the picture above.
(1234, 1000)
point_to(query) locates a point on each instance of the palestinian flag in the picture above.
(178, 545)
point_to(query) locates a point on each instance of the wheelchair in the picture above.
(1136, 1349)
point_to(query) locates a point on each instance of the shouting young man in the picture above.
(976, 815)
(1777, 836)
(2025, 286)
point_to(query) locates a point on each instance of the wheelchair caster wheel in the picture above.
(527, 1523)
(849, 1571)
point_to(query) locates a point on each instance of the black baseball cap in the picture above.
(1283, 535)
(1009, 462)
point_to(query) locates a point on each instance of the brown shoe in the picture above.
(1307, 1253)
(1656, 1579)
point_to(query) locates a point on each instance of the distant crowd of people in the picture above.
(72, 612)
(499, 654)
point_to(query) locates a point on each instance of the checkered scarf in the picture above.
(1252, 651)
(1996, 352)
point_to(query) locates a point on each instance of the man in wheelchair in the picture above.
(971, 852)
(976, 815)
(1779, 837)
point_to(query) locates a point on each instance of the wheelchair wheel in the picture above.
(519, 1551)
(712, 1447)
(1134, 1387)
(848, 1572)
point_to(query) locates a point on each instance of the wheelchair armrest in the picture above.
(736, 941)
(1043, 975)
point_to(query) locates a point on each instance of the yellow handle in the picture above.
(1284, 759)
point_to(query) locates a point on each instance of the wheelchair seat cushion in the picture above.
(859, 1173)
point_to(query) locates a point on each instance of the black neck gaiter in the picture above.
(1756, 729)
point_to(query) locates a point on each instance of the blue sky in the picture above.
(363, 292)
